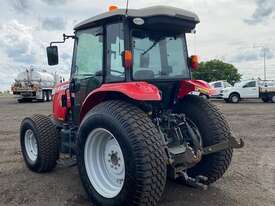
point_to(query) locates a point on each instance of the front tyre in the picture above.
(234, 98)
(39, 143)
(121, 157)
(214, 129)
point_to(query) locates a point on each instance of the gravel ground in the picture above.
(249, 181)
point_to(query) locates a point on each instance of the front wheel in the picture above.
(214, 129)
(234, 98)
(39, 143)
(121, 157)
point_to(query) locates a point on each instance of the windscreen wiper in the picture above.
(151, 47)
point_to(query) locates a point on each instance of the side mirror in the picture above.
(194, 62)
(52, 54)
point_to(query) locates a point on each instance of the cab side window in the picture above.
(218, 85)
(115, 47)
(250, 84)
(89, 52)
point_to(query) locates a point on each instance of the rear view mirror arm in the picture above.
(65, 37)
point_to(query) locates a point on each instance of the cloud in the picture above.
(251, 55)
(55, 2)
(17, 42)
(21, 6)
(66, 56)
(54, 23)
(264, 9)
(268, 53)
(244, 57)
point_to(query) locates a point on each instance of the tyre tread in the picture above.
(218, 131)
(150, 155)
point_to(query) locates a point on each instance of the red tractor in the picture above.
(126, 114)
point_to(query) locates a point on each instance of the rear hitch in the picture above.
(234, 143)
(67, 162)
(231, 143)
(197, 182)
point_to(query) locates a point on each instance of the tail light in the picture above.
(194, 62)
(113, 8)
(127, 59)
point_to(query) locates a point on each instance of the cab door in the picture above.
(250, 90)
(87, 66)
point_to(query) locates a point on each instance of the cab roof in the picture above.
(155, 11)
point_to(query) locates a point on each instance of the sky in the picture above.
(235, 31)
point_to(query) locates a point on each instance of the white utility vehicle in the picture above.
(218, 87)
(250, 89)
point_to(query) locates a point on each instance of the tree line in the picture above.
(215, 70)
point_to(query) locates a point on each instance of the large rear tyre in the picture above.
(121, 157)
(214, 129)
(39, 143)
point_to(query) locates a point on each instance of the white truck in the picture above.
(250, 89)
(218, 87)
(30, 85)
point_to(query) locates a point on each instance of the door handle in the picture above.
(74, 85)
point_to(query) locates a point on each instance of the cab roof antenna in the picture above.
(127, 6)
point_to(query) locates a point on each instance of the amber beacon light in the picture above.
(113, 8)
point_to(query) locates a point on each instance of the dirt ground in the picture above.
(249, 181)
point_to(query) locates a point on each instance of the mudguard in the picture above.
(59, 112)
(139, 91)
(187, 86)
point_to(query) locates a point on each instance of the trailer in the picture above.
(33, 85)
(251, 89)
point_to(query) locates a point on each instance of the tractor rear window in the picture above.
(159, 56)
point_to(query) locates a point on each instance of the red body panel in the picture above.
(140, 91)
(187, 86)
(59, 112)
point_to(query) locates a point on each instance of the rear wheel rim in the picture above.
(235, 99)
(104, 163)
(31, 145)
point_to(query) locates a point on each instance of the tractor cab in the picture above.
(131, 46)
